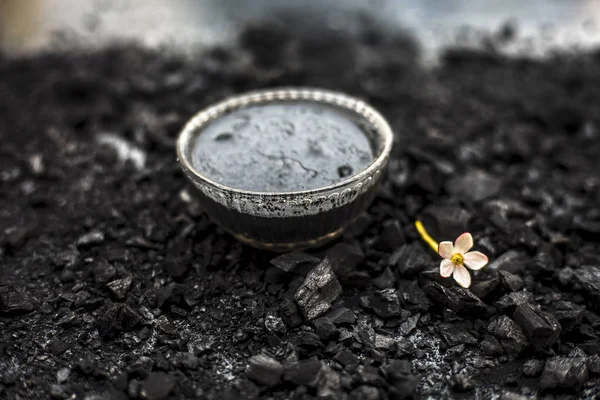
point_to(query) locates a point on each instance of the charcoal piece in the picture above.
(289, 261)
(157, 386)
(564, 373)
(383, 342)
(409, 325)
(491, 346)
(119, 288)
(403, 383)
(246, 389)
(541, 328)
(290, 314)
(455, 335)
(512, 261)
(594, 364)
(587, 280)
(347, 359)
(533, 367)
(369, 375)
(384, 303)
(115, 320)
(487, 288)
(318, 290)
(14, 302)
(328, 384)
(542, 265)
(341, 316)
(568, 314)
(103, 272)
(458, 299)
(58, 346)
(445, 221)
(304, 372)
(15, 237)
(385, 280)
(414, 297)
(510, 282)
(410, 259)
(474, 185)
(461, 383)
(274, 324)
(91, 239)
(344, 258)
(364, 392)
(186, 360)
(508, 303)
(264, 370)
(325, 329)
(391, 237)
(509, 334)
(309, 341)
(177, 268)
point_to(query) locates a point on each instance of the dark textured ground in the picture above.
(114, 285)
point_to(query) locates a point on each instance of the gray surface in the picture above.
(543, 24)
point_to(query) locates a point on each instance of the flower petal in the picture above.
(446, 268)
(446, 249)
(463, 243)
(475, 260)
(462, 276)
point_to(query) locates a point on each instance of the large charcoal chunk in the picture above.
(564, 373)
(318, 290)
(456, 298)
(587, 279)
(289, 261)
(264, 370)
(542, 328)
(410, 260)
(509, 334)
(384, 303)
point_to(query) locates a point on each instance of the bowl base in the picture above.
(285, 247)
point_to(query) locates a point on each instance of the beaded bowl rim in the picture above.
(384, 136)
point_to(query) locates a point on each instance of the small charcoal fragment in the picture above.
(91, 239)
(508, 303)
(456, 298)
(385, 280)
(290, 314)
(541, 328)
(533, 367)
(289, 261)
(564, 373)
(157, 386)
(509, 334)
(344, 258)
(13, 302)
(303, 372)
(103, 272)
(347, 359)
(474, 185)
(511, 261)
(445, 221)
(568, 314)
(318, 290)
(410, 260)
(119, 288)
(325, 329)
(115, 320)
(384, 303)
(510, 282)
(587, 279)
(341, 316)
(461, 383)
(274, 324)
(264, 370)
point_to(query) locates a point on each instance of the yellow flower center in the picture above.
(458, 259)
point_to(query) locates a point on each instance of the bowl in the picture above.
(296, 219)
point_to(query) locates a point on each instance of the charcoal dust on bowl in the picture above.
(293, 252)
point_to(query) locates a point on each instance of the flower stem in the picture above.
(425, 236)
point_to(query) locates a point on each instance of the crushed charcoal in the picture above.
(264, 370)
(119, 288)
(157, 386)
(318, 290)
(541, 328)
(289, 261)
(564, 373)
(533, 367)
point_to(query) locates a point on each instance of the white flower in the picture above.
(456, 259)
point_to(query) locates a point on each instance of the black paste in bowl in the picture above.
(282, 147)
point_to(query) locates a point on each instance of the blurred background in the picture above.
(541, 25)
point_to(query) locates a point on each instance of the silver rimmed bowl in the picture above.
(283, 221)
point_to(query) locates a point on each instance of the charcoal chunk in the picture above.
(454, 335)
(290, 314)
(486, 288)
(568, 314)
(264, 370)
(458, 299)
(410, 259)
(564, 373)
(587, 279)
(157, 386)
(325, 329)
(364, 392)
(344, 258)
(347, 359)
(91, 239)
(103, 272)
(289, 261)
(318, 290)
(385, 280)
(542, 265)
(509, 334)
(329, 384)
(509, 281)
(403, 383)
(508, 303)
(391, 236)
(117, 319)
(274, 324)
(533, 367)
(119, 288)
(445, 221)
(474, 185)
(15, 302)
(542, 328)
(384, 303)
(341, 316)
(304, 372)
(461, 383)
(512, 261)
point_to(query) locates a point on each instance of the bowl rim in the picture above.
(350, 104)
